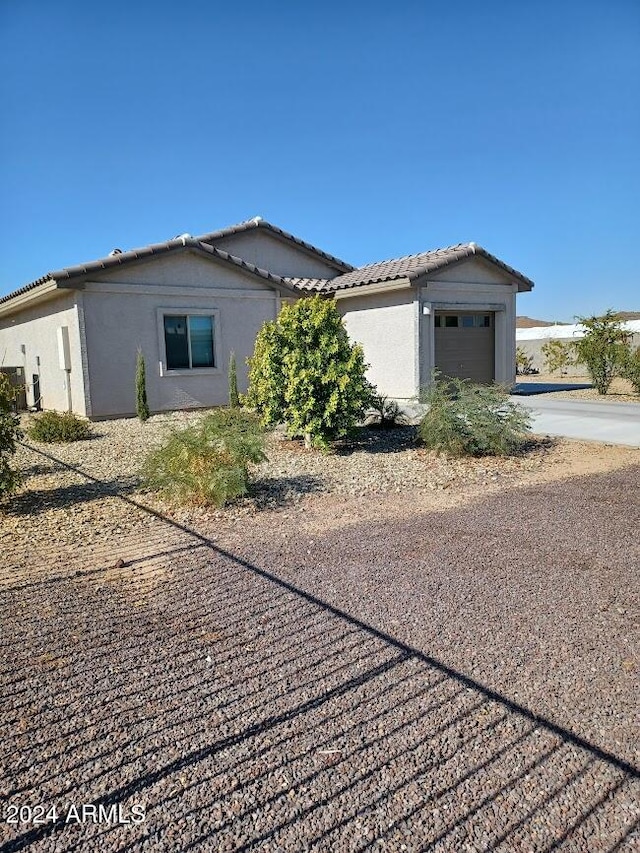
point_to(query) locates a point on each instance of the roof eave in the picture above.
(30, 297)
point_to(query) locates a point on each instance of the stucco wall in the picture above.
(533, 348)
(385, 325)
(267, 250)
(122, 315)
(37, 328)
(472, 284)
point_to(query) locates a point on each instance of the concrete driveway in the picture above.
(613, 423)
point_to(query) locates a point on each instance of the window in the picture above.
(189, 341)
(463, 321)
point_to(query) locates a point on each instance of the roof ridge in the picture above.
(259, 222)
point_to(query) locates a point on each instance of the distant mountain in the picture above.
(530, 323)
(628, 315)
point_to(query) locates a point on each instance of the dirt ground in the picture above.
(446, 669)
(621, 390)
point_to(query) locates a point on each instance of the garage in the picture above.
(465, 345)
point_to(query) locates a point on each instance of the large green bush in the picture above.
(10, 434)
(464, 419)
(58, 427)
(305, 373)
(207, 463)
(603, 349)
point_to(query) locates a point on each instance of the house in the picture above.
(188, 302)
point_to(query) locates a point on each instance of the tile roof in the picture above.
(259, 222)
(122, 258)
(411, 267)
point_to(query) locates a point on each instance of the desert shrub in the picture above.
(385, 413)
(58, 427)
(631, 367)
(232, 377)
(305, 373)
(603, 349)
(464, 419)
(524, 363)
(10, 434)
(142, 407)
(559, 355)
(207, 462)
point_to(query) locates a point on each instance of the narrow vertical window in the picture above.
(201, 337)
(176, 342)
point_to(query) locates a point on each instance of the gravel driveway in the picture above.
(453, 680)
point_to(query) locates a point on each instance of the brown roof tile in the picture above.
(409, 266)
(259, 222)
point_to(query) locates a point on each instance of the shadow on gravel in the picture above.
(245, 714)
(35, 500)
(275, 492)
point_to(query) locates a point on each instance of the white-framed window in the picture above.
(189, 339)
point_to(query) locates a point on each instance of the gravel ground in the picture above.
(621, 390)
(344, 672)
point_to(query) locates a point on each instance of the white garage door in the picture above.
(465, 345)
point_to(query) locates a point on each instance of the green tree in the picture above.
(559, 355)
(10, 434)
(603, 349)
(305, 373)
(234, 397)
(142, 407)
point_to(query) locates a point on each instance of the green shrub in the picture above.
(142, 407)
(631, 368)
(524, 363)
(386, 413)
(207, 463)
(471, 420)
(305, 373)
(10, 434)
(58, 427)
(234, 397)
(603, 349)
(559, 355)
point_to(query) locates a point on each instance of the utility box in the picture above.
(64, 353)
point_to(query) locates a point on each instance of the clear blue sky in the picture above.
(372, 129)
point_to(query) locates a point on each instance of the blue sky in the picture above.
(372, 129)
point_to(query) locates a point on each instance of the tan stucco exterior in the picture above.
(112, 312)
(35, 328)
(123, 312)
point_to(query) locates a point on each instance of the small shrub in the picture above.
(10, 434)
(234, 397)
(386, 413)
(559, 355)
(306, 373)
(631, 368)
(207, 463)
(58, 427)
(524, 363)
(603, 349)
(142, 407)
(471, 420)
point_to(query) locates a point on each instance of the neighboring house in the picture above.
(188, 302)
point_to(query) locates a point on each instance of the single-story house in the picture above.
(188, 302)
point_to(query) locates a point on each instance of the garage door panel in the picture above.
(464, 352)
